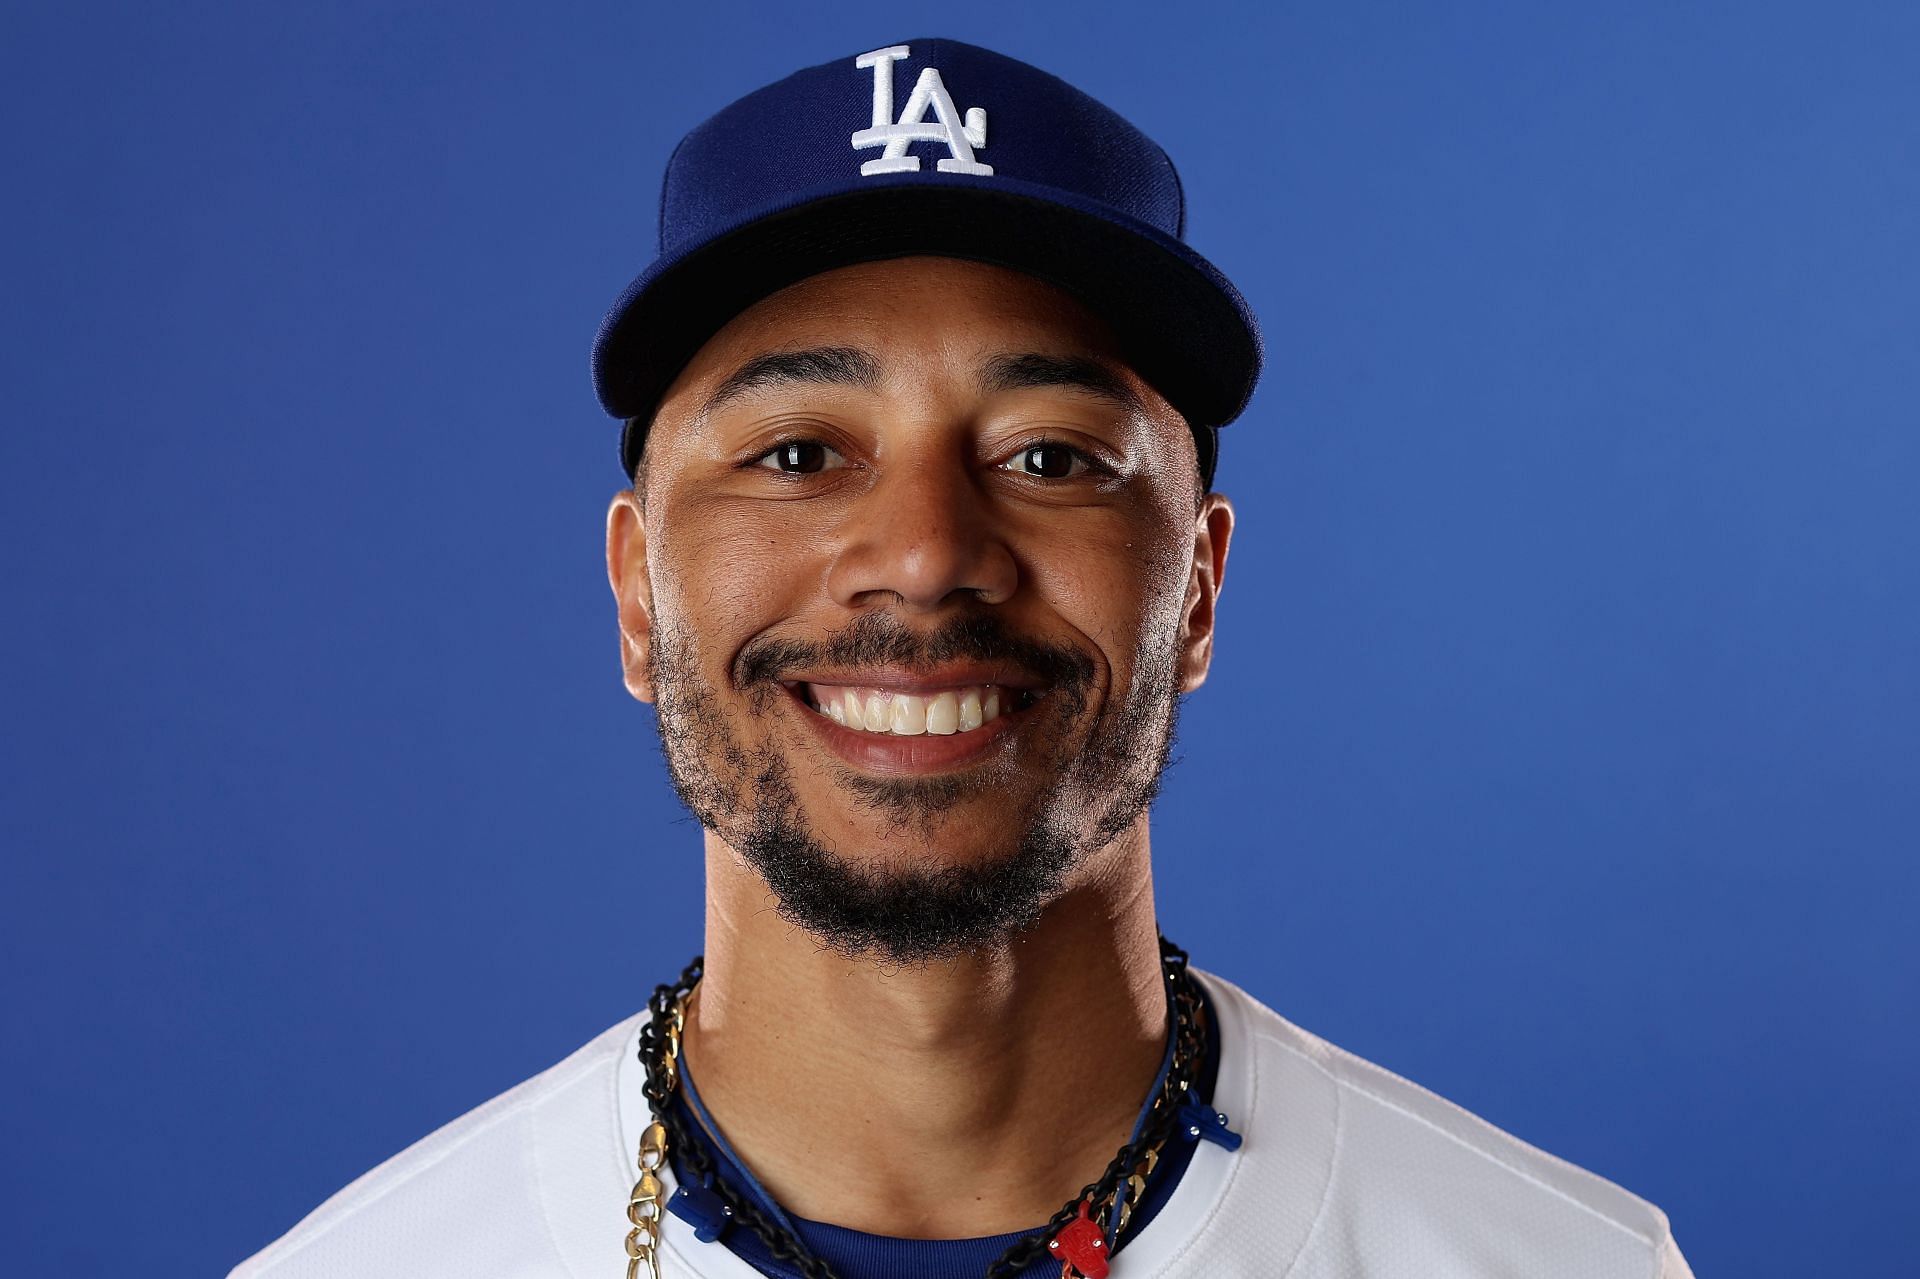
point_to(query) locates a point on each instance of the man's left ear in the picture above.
(1212, 529)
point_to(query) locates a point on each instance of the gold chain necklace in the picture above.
(1074, 1235)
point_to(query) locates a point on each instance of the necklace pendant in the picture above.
(1081, 1246)
(703, 1209)
(1199, 1121)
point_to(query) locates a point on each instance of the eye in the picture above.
(1049, 461)
(800, 457)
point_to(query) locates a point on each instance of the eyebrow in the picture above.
(850, 366)
(1074, 373)
(829, 365)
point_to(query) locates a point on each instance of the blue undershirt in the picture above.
(854, 1254)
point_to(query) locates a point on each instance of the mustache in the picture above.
(878, 639)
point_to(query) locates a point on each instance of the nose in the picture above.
(922, 537)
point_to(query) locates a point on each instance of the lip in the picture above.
(922, 683)
(915, 756)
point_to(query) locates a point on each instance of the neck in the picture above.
(971, 1096)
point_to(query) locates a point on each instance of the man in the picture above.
(920, 553)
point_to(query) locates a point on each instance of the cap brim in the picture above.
(1185, 329)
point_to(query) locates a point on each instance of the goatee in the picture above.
(908, 908)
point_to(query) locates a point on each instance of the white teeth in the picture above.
(943, 715)
(875, 710)
(909, 715)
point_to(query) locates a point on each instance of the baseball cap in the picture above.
(929, 147)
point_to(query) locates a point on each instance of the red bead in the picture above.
(1081, 1245)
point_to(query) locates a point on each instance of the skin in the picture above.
(974, 1093)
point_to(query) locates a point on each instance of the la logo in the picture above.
(913, 126)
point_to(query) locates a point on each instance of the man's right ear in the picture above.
(632, 593)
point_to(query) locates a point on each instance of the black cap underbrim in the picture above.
(1185, 329)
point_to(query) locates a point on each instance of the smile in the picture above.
(904, 714)
(894, 723)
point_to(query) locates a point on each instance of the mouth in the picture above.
(900, 713)
(916, 728)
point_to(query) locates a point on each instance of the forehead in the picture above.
(911, 314)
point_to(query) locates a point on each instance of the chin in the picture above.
(917, 843)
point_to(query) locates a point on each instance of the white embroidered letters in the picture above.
(913, 126)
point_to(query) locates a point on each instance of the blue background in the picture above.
(1563, 750)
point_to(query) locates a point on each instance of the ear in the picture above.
(632, 589)
(1212, 529)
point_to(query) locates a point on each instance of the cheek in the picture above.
(1121, 585)
(720, 575)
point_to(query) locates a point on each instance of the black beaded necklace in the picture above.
(1073, 1234)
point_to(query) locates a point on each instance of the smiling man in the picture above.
(920, 553)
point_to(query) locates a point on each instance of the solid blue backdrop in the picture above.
(1563, 749)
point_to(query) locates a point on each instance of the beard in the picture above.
(904, 910)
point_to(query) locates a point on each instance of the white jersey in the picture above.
(1346, 1172)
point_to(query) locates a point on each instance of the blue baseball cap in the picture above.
(929, 147)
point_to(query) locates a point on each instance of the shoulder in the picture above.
(1415, 1184)
(468, 1199)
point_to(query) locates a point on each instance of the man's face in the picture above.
(917, 572)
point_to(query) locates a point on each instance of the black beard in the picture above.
(910, 914)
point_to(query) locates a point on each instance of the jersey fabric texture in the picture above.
(1346, 1172)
